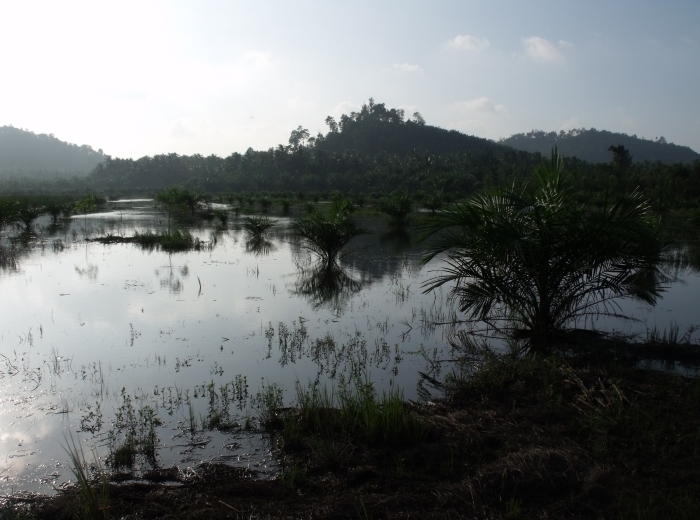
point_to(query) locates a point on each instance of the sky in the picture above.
(146, 77)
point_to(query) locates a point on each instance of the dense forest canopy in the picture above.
(373, 150)
(593, 146)
(26, 154)
(379, 151)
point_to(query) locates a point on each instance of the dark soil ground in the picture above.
(576, 436)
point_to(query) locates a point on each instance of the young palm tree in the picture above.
(325, 234)
(532, 263)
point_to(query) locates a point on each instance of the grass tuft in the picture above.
(93, 492)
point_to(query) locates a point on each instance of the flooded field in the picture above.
(108, 345)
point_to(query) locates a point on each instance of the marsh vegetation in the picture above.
(303, 341)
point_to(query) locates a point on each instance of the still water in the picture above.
(86, 327)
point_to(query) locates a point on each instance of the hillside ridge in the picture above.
(26, 154)
(593, 145)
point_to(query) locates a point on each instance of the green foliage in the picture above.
(257, 225)
(222, 215)
(219, 402)
(134, 434)
(172, 241)
(265, 203)
(177, 198)
(354, 412)
(594, 146)
(86, 205)
(325, 234)
(94, 499)
(397, 207)
(529, 263)
(434, 202)
(268, 401)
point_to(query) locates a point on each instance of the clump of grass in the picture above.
(134, 434)
(268, 402)
(93, 492)
(174, 240)
(353, 412)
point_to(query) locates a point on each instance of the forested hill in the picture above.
(375, 129)
(26, 154)
(593, 146)
(373, 150)
(377, 151)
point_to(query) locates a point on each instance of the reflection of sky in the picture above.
(81, 324)
(141, 319)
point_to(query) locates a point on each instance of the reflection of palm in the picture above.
(258, 245)
(326, 285)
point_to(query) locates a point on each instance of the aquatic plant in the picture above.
(94, 499)
(531, 262)
(174, 240)
(325, 234)
(397, 207)
(134, 434)
(222, 215)
(86, 205)
(171, 198)
(353, 410)
(257, 225)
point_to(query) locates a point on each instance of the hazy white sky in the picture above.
(217, 76)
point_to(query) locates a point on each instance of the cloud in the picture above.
(479, 116)
(540, 49)
(482, 105)
(406, 68)
(466, 42)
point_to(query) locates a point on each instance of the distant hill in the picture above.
(26, 154)
(376, 129)
(592, 146)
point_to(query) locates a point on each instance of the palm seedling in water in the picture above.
(397, 207)
(531, 263)
(325, 234)
(257, 226)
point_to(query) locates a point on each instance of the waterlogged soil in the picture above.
(94, 335)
